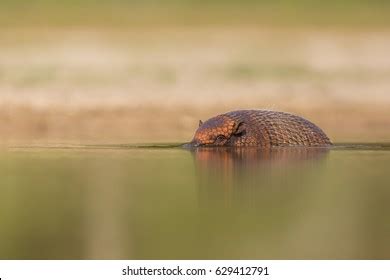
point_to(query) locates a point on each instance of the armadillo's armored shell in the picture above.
(263, 128)
(270, 128)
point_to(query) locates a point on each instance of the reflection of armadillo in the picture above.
(259, 128)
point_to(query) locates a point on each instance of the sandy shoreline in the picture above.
(155, 124)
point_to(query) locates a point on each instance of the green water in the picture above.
(164, 202)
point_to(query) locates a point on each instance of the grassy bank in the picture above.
(124, 14)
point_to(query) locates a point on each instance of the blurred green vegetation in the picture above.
(121, 13)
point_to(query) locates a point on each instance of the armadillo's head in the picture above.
(218, 131)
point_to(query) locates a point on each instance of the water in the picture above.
(165, 202)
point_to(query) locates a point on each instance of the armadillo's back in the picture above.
(280, 129)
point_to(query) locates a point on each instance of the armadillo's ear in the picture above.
(200, 123)
(240, 129)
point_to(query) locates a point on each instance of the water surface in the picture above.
(164, 202)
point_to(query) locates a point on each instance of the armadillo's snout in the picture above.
(191, 145)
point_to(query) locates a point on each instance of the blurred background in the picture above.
(112, 73)
(90, 71)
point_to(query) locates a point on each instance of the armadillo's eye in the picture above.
(220, 138)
